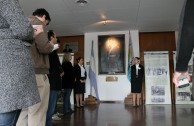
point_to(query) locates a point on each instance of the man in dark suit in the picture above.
(55, 74)
(137, 73)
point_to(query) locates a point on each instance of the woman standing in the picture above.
(17, 77)
(67, 82)
(80, 76)
(137, 73)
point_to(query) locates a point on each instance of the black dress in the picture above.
(79, 87)
(136, 80)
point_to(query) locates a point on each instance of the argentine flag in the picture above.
(92, 73)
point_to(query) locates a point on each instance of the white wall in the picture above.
(110, 91)
(135, 42)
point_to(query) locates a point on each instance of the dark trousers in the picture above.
(66, 101)
(51, 107)
(186, 35)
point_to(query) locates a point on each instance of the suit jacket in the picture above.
(55, 71)
(40, 49)
(140, 72)
(68, 77)
(77, 71)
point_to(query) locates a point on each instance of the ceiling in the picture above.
(70, 19)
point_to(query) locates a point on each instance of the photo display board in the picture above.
(157, 78)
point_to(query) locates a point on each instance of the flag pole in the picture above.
(128, 99)
(90, 66)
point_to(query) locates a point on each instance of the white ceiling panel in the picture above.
(68, 18)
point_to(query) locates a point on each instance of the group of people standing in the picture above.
(74, 78)
(31, 74)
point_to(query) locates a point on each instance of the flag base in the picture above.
(91, 100)
(129, 99)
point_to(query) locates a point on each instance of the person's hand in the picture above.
(61, 74)
(177, 75)
(37, 29)
(82, 81)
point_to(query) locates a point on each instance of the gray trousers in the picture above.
(186, 36)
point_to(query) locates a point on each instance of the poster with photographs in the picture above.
(184, 95)
(157, 78)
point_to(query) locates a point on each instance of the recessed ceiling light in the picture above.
(81, 2)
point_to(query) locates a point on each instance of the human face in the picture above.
(46, 22)
(55, 37)
(70, 57)
(136, 61)
(43, 19)
(81, 61)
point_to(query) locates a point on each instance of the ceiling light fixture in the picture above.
(81, 2)
(104, 22)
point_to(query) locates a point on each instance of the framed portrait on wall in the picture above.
(111, 54)
(71, 47)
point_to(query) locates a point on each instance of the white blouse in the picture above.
(137, 67)
(82, 71)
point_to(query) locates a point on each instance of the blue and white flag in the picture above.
(130, 60)
(92, 73)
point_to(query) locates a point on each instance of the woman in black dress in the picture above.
(80, 75)
(137, 73)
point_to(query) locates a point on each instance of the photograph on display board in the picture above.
(158, 94)
(183, 96)
(157, 91)
(151, 71)
(158, 99)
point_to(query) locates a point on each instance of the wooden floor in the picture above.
(119, 114)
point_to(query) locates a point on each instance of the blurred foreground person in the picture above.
(17, 77)
(185, 42)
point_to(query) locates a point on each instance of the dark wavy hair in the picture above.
(138, 59)
(78, 59)
(40, 12)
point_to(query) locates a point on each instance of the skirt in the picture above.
(80, 87)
